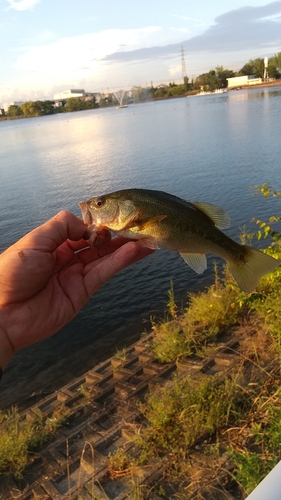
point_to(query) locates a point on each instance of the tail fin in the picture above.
(254, 266)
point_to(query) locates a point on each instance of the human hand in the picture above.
(49, 274)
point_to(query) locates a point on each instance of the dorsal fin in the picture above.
(220, 218)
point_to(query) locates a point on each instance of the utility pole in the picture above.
(265, 73)
(183, 69)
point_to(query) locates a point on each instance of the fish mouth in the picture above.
(95, 232)
(86, 214)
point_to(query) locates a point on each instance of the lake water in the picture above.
(205, 148)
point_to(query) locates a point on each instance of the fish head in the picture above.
(112, 211)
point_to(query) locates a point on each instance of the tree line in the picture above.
(217, 78)
(214, 79)
(40, 108)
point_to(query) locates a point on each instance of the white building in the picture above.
(242, 81)
(6, 105)
(66, 94)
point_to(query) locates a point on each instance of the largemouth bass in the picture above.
(159, 219)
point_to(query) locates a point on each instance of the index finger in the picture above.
(87, 254)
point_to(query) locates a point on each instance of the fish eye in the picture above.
(99, 202)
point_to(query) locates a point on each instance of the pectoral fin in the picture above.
(197, 261)
(149, 242)
(142, 224)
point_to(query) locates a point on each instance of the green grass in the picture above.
(183, 411)
(260, 450)
(18, 438)
(208, 314)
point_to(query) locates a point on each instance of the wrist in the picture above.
(6, 350)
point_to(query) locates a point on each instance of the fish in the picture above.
(160, 219)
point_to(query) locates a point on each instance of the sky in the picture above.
(47, 46)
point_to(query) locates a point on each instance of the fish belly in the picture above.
(197, 241)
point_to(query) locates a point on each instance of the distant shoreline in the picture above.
(276, 83)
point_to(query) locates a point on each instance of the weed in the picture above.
(136, 490)
(208, 314)
(18, 437)
(81, 390)
(172, 306)
(211, 311)
(267, 229)
(260, 450)
(250, 469)
(183, 411)
(121, 354)
(118, 463)
(168, 341)
(14, 440)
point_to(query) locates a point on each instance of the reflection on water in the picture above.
(208, 148)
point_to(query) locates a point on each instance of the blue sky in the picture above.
(51, 45)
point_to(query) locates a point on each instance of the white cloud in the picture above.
(253, 28)
(181, 30)
(79, 61)
(71, 54)
(175, 70)
(23, 4)
(186, 18)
